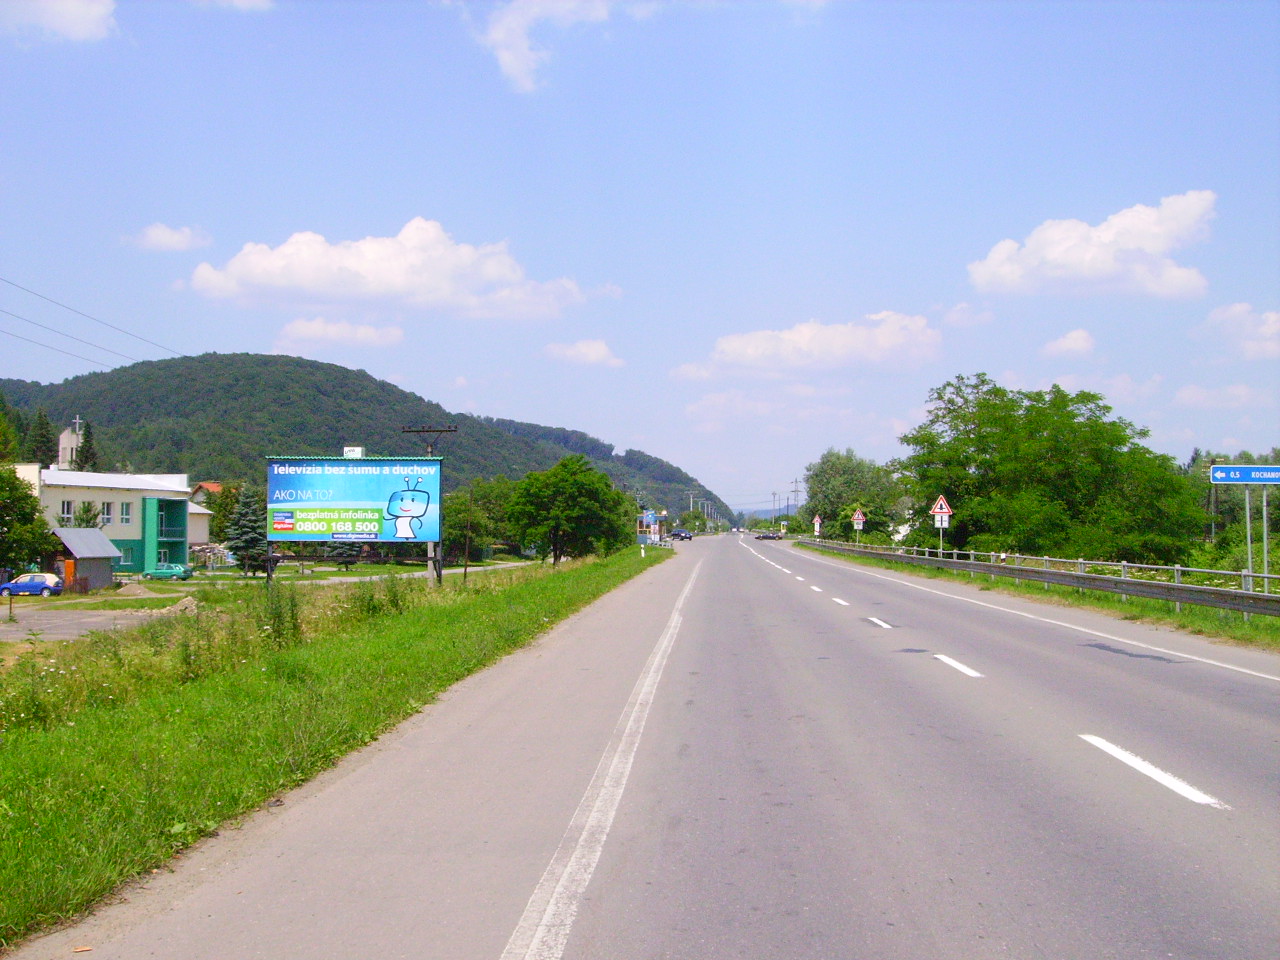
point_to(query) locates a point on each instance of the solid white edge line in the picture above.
(1155, 773)
(879, 623)
(1056, 623)
(543, 929)
(957, 664)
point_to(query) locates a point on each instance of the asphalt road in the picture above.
(755, 752)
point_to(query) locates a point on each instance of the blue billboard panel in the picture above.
(373, 499)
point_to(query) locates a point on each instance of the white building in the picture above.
(149, 517)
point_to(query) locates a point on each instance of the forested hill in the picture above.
(218, 416)
(659, 483)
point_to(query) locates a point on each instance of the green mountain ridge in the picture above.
(218, 416)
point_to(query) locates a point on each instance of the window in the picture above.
(126, 556)
(68, 512)
(104, 515)
(126, 513)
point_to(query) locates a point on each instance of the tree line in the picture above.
(1037, 472)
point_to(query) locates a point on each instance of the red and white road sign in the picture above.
(942, 508)
(859, 516)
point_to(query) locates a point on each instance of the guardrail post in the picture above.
(1124, 575)
(1177, 581)
(1080, 570)
(1046, 566)
(1246, 584)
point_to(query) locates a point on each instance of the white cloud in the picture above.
(1254, 335)
(1234, 397)
(82, 20)
(158, 236)
(712, 410)
(587, 352)
(1077, 343)
(322, 331)
(421, 266)
(1127, 252)
(890, 338)
(967, 315)
(510, 24)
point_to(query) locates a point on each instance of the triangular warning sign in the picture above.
(941, 507)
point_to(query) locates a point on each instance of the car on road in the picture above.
(33, 584)
(768, 535)
(168, 571)
(681, 535)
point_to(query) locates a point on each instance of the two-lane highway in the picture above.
(757, 751)
(847, 765)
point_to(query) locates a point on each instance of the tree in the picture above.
(24, 533)
(88, 515)
(222, 505)
(692, 520)
(1046, 472)
(840, 483)
(10, 440)
(42, 442)
(246, 534)
(467, 529)
(570, 510)
(86, 457)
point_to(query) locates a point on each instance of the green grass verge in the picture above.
(1259, 631)
(144, 744)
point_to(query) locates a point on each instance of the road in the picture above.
(756, 752)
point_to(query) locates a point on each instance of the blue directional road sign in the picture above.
(1245, 473)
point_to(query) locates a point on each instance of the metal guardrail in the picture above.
(1073, 573)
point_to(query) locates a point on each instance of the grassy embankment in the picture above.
(119, 750)
(1258, 631)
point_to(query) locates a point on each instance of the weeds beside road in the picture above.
(123, 748)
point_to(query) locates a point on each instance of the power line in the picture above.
(96, 363)
(67, 335)
(89, 317)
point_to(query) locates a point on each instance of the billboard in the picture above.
(372, 499)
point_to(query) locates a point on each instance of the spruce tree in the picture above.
(246, 534)
(42, 442)
(86, 457)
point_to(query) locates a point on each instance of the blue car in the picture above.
(42, 584)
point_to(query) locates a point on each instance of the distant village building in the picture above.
(148, 517)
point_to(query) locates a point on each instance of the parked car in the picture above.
(681, 535)
(168, 571)
(43, 584)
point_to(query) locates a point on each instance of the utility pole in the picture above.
(435, 431)
(437, 560)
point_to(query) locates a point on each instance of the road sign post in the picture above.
(1250, 473)
(859, 518)
(941, 519)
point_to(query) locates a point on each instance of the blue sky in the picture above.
(730, 234)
